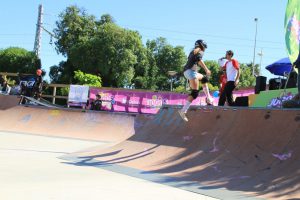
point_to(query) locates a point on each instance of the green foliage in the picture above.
(101, 47)
(163, 58)
(246, 78)
(73, 27)
(180, 89)
(63, 73)
(113, 53)
(106, 18)
(15, 59)
(215, 69)
(64, 91)
(213, 87)
(11, 82)
(87, 79)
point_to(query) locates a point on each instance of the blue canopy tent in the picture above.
(280, 67)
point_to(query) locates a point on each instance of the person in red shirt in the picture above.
(232, 68)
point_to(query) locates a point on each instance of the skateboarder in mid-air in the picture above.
(191, 73)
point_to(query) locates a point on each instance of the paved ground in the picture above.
(31, 169)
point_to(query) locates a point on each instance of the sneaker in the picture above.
(183, 116)
(209, 101)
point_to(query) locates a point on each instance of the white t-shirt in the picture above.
(231, 69)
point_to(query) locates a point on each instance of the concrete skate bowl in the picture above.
(223, 153)
(100, 126)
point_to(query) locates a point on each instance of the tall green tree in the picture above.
(98, 47)
(15, 59)
(113, 53)
(74, 26)
(144, 71)
(118, 56)
(166, 58)
(62, 73)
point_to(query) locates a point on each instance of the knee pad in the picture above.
(204, 80)
(195, 93)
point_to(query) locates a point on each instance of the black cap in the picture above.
(201, 43)
(229, 52)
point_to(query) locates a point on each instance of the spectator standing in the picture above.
(232, 68)
(97, 103)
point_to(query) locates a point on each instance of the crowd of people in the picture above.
(29, 88)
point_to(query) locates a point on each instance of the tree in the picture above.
(74, 26)
(113, 53)
(97, 47)
(15, 59)
(38, 64)
(246, 78)
(63, 73)
(215, 69)
(87, 79)
(106, 18)
(118, 56)
(166, 58)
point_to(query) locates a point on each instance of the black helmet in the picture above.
(201, 43)
(229, 52)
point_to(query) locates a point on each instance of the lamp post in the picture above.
(172, 74)
(253, 64)
(261, 55)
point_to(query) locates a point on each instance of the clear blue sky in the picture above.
(223, 24)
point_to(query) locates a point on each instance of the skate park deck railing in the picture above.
(54, 96)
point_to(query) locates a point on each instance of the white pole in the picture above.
(253, 64)
(261, 55)
(38, 34)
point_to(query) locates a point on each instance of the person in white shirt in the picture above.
(233, 73)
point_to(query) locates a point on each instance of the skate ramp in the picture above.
(101, 126)
(244, 151)
(40, 102)
(223, 153)
(8, 101)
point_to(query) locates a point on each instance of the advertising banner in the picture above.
(274, 98)
(78, 95)
(146, 101)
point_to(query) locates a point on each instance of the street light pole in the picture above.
(261, 55)
(172, 74)
(253, 64)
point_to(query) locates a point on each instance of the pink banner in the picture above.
(146, 102)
